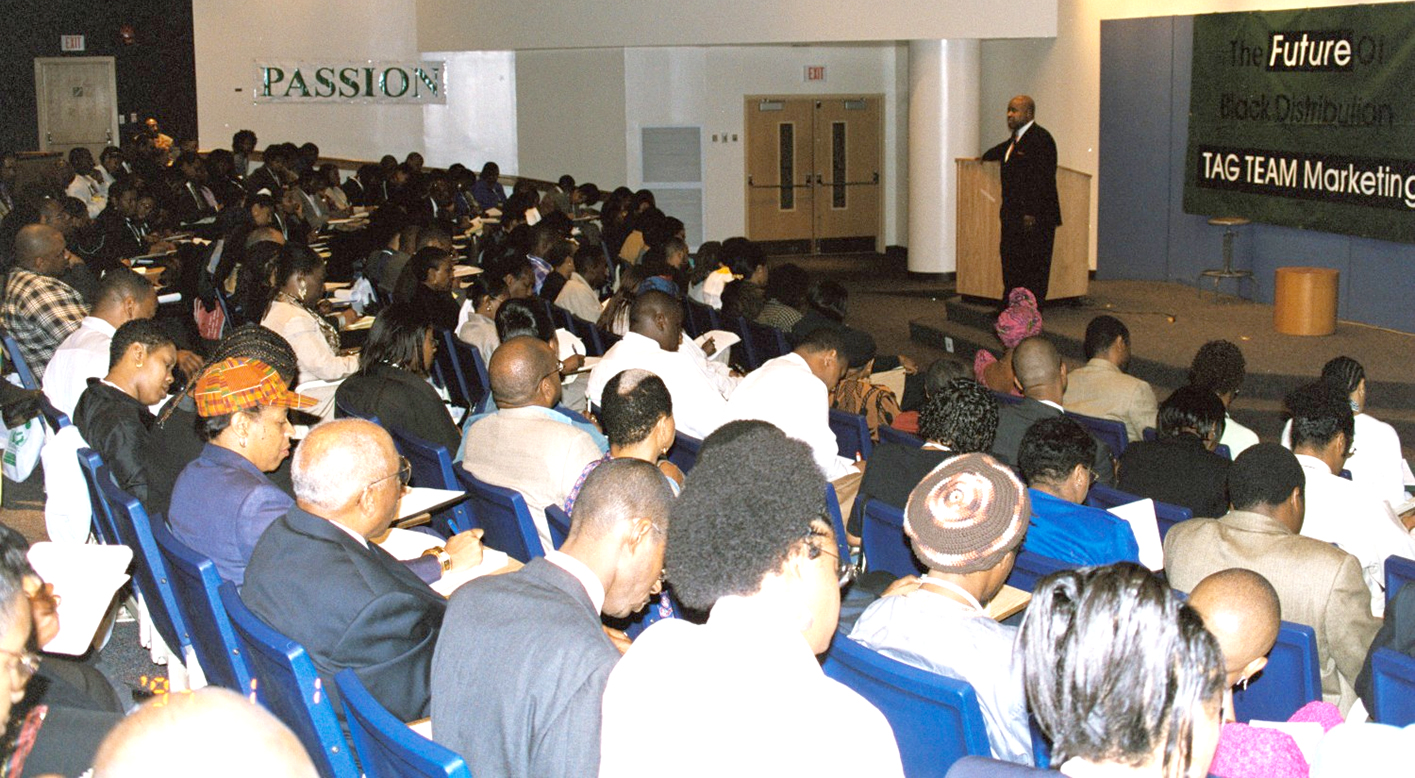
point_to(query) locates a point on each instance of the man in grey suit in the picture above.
(1041, 375)
(519, 673)
(1317, 583)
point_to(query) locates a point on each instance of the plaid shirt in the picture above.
(779, 315)
(39, 311)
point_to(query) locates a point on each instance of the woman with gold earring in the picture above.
(299, 285)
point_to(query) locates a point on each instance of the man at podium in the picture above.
(1031, 211)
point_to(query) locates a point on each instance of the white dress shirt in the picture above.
(1237, 437)
(579, 298)
(1342, 512)
(1376, 462)
(699, 407)
(582, 572)
(82, 355)
(786, 393)
(748, 688)
(93, 192)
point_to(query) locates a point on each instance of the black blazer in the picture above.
(1012, 423)
(401, 401)
(1179, 471)
(350, 607)
(1029, 177)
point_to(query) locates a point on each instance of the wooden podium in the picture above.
(979, 232)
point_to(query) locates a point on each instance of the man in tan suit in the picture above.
(1101, 387)
(1317, 583)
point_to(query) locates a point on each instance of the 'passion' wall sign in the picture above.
(308, 83)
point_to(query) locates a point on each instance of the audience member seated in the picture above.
(315, 577)
(1121, 677)
(785, 297)
(87, 185)
(39, 310)
(1041, 375)
(223, 501)
(525, 445)
(589, 272)
(1020, 319)
(1101, 388)
(793, 393)
(1055, 460)
(112, 414)
(1219, 367)
(124, 234)
(122, 296)
(477, 320)
(1377, 461)
(561, 258)
(958, 419)
(638, 421)
(1317, 583)
(653, 344)
(756, 552)
(299, 276)
(1339, 511)
(942, 371)
(528, 316)
(392, 384)
(1397, 633)
(826, 302)
(527, 651)
(488, 192)
(1180, 467)
(543, 237)
(965, 522)
(426, 284)
(214, 732)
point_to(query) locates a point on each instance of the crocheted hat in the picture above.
(967, 514)
(1021, 319)
(242, 384)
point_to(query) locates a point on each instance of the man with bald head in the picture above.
(1241, 610)
(525, 445)
(38, 309)
(1031, 210)
(315, 577)
(652, 344)
(1041, 376)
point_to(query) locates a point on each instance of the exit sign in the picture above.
(815, 72)
(71, 43)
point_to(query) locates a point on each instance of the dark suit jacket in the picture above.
(119, 240)
(893, 472)
(350, 607)
(1029, 177)
(1179, 471)
(519, 674)
(1012, 424)
(401, 401)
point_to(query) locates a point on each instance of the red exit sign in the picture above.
(815, 72)
(71, 43)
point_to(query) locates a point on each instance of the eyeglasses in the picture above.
(27, 663)
(404, 474)
(844, 571)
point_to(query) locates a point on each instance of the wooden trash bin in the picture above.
(1304, 300)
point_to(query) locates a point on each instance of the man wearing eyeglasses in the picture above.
(315, 577)
(519, 672)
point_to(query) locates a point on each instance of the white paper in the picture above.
(491, 561)
(85, 578)
(722, 339)
(894, 379)
(420, 499)
(463, 271)
(405, 544)
(1140, 515)
(494, 213)
(361, 323)
(174, 297)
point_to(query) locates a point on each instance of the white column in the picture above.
(943, 125)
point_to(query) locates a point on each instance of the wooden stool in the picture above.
(1304, 300)
(1230, 225)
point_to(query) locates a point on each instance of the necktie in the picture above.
(1008, 156)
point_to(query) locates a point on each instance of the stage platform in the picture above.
(1169, 321)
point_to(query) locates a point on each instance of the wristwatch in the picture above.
(443, 558)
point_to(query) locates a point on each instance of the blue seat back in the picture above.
(767, 341)
(433, 469)
(837, 522)
(196, 584)
(343, 410)
(228, 320)
(852, 434)
(1291, 679)
(885, 546)
(1108, 431)
(1029, 568)
(748, 356)
(132, 528)
(700, 318)
(604, 339)
(888, 434)
(561, 318)
(1166, 514)
(287, 684)
(936, 720)
(1006, 398)
(387, 747)
(17, 361)
(1399, 572)
(585, 331)
(1393, 687)
(55, 418)
(504, 518)
(464, 372)
(90, 464)
(558, 521)
(684, 452)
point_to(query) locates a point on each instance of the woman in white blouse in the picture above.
(299, 280)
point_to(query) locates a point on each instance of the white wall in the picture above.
(705, 86)
(1063, 74)
(570, 115)
(231, 36)
(478, 123)
(449, 25)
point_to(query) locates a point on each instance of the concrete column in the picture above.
(944, 77)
